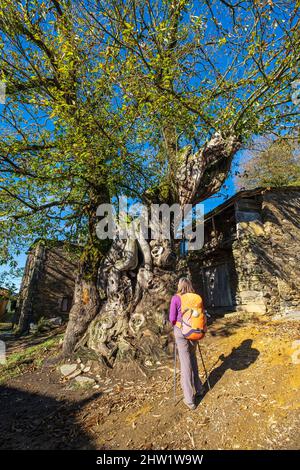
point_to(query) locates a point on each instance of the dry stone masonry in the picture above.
(251, 260)
(47, 286)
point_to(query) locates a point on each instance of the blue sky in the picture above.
(209, 204)
(222, 62)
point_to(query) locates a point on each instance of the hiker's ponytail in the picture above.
(185, 286)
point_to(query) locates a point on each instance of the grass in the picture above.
(5, 326)
(17, 362)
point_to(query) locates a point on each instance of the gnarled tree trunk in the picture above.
(87, 298)
(85, 308)
(137, 277)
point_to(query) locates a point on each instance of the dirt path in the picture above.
(254, 402)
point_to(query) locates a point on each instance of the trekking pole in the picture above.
(175, 354)
(206, 375)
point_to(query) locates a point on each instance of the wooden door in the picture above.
(216, 283)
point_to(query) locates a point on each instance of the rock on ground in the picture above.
(85, 381)
(67, 369)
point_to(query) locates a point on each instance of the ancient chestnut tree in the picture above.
(151, 99)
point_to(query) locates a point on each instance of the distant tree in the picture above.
(273, 164)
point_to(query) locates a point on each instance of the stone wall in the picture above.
(281, 214)
(246, 254)
(32, 272)
(4, 299)
(262, 254)
(266, 256)
(48, 282)
(55, 288)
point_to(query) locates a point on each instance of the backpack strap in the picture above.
(179, 322)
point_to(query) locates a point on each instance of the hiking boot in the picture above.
(191, 406)
(200, 393)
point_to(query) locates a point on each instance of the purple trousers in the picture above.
(189, 375)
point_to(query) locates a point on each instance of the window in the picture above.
(183, 247)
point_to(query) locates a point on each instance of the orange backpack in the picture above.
(193, 323)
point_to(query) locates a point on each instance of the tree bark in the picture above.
(85, 308)
(131, 278)
(126, 311)
(87, 299)
(200, 175)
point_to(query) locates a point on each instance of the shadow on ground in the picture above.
(227, 328)
(33, 421)
(240, 358)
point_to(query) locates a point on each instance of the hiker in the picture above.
(190, 381)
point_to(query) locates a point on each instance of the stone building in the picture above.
(250, 260)
(48, 282)
(4, 300)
